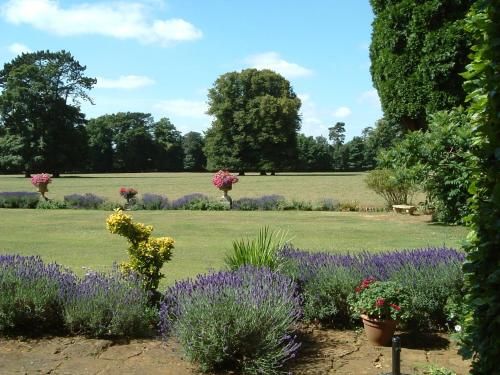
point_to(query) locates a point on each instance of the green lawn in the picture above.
(78, 238)
(303, 187)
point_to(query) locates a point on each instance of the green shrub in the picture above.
(19, 199)
(146, 254)
(394, 186)
(448, 144)
(435, 370)
(295, 205)
(50, 204)
(326, 204)
(260, 252)
(349, 206)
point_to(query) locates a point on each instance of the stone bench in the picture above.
(400, 208)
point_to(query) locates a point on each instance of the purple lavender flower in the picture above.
(246, 317)
(154, 202)
(87, 201)
(19, 199)
(184, 201)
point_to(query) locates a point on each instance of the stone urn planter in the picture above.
(225, 197)
(41, 181)
(379, 332)
(42, 189)
(224, 181)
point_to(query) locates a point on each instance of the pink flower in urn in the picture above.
(41, 179)
(224, 180)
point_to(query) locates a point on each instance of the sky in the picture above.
(162, 56)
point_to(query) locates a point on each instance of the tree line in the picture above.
(256, 127)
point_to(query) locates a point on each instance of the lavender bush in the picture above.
(32, 294)
(19, 199)
(153, 202)
(108, 305)
(196, 201)
(431, 275)
(86, 201)
(241, 320)
(265, 203)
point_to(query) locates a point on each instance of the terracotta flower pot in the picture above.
(379, 332)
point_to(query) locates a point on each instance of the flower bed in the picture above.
(244, 320)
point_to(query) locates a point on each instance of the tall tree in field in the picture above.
(100, 141)
(41, 126)
(133, 141)
(336, 134)
(122, 142)
(256, 122)
(313, 153)
(418, 50)
(194, 158)
(170, 154)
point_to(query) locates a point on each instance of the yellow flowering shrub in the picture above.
(146, 254)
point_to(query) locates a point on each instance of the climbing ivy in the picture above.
(482, 267)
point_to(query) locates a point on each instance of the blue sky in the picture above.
(161, 57)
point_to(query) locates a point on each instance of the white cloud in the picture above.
(312, 124)
(119, 20)
(273, 61)
(370, 98)
(18, 48)
(124, 82)
(183, 108)
(342, 112)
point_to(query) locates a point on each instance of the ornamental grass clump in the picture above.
(264, 251)
(109, 305)
(240, 320)
(32, 295)
(146, 254)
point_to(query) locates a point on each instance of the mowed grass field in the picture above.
(303, 187)
(78, 238)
